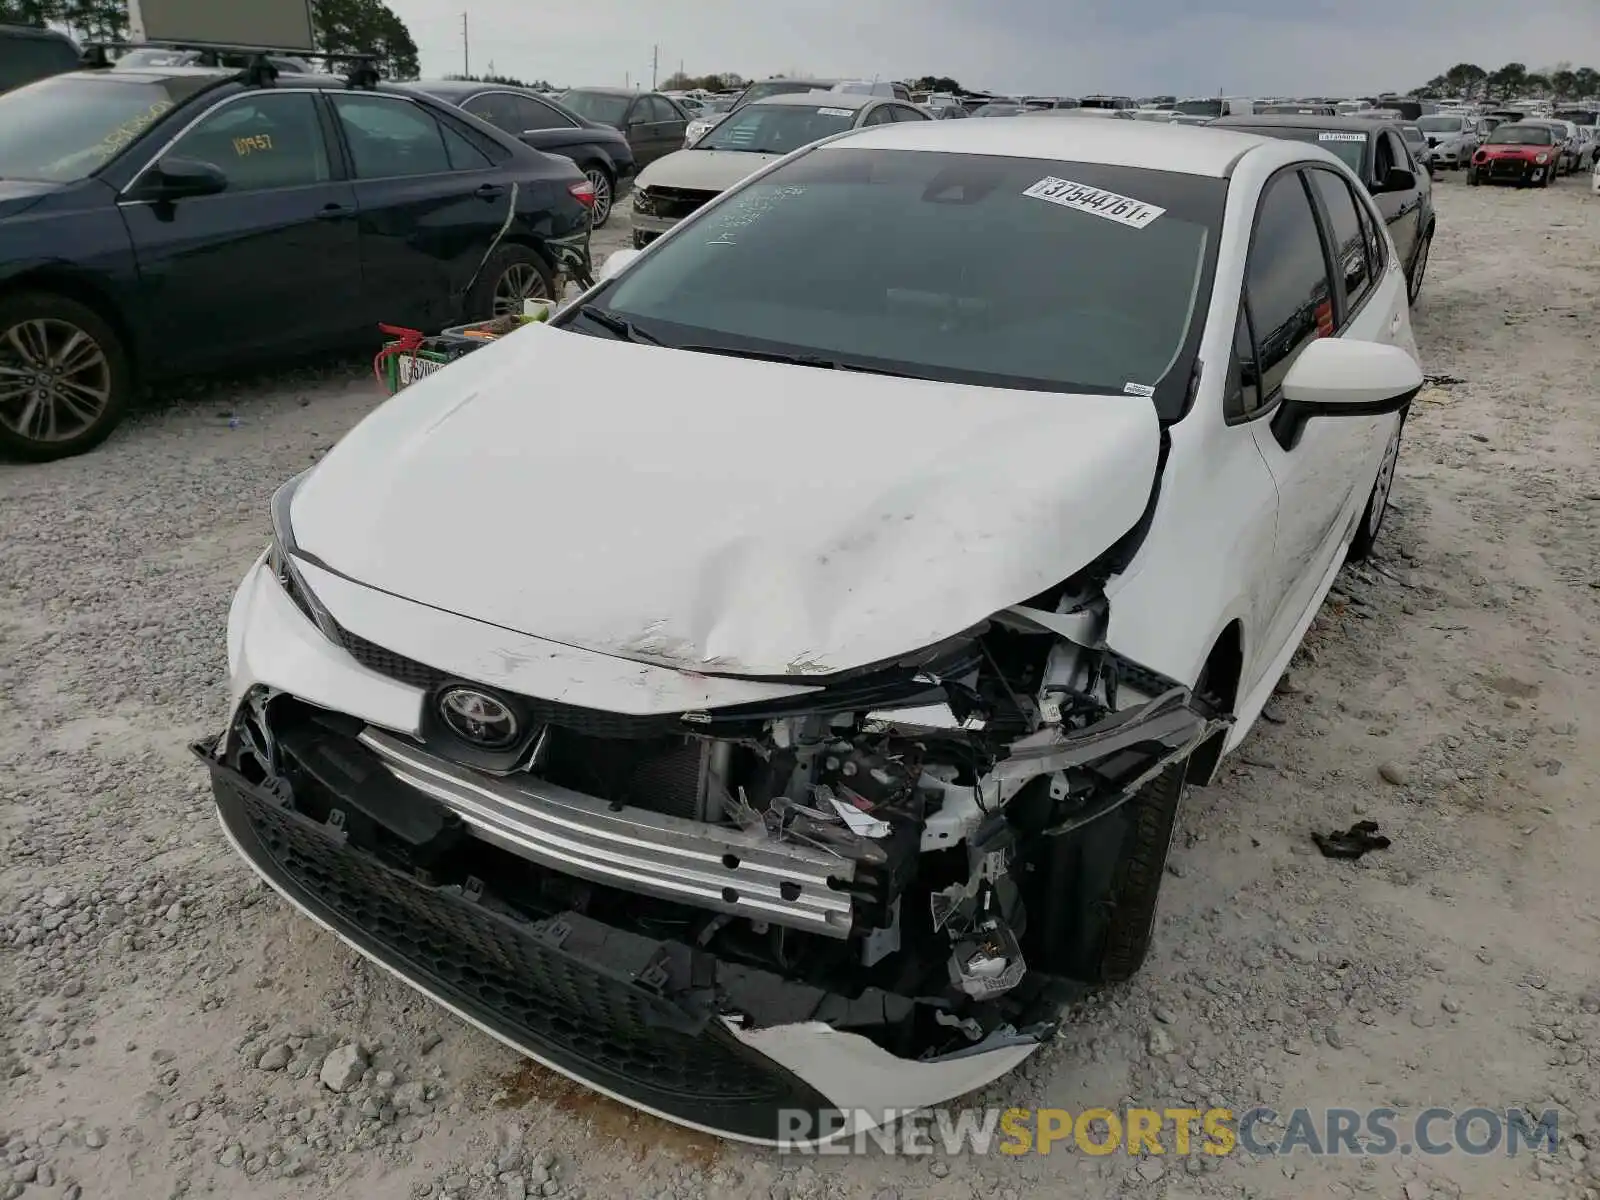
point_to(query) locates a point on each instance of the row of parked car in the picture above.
(158, 220)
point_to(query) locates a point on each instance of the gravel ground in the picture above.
(167, 1027)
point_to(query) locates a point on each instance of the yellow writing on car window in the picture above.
(254, 143)
(131, 128)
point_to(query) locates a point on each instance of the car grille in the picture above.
(1507, 168)
(674, 202)
(591, 721)
(597, 1022)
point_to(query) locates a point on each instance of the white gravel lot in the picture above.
(164, 1020)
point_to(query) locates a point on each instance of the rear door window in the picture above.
(390, 138)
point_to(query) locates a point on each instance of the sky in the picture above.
(1053, 47)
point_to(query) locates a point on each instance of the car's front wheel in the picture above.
(1472, 176)
(1378, 499)
(64, 378)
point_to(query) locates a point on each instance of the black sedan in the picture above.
(186, 219)
(652, 123)
(1376, 150)
(600, 150)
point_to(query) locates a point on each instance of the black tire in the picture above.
(1472, 176)
(605, 191)
(77, 334)
(640, 240)
(510, 269)
(1107, 879)
(1378, 498)
(1419, 268)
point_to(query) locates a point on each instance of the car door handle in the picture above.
(335, 212)
(490, 190)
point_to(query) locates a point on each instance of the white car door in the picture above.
(1324, 470)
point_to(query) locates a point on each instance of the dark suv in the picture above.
(27, 53)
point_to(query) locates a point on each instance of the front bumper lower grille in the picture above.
(570, 991)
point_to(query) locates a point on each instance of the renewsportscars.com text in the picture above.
(1260, 1131)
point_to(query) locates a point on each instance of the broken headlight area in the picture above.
(898, 834)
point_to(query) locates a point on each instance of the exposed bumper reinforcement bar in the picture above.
(714, 867)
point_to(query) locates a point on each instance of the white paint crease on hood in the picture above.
(721, 515)
(703, 170)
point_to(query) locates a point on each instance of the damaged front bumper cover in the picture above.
(658, 1025)
(663, 1025)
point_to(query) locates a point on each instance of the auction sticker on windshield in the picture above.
(1337, 136)
(835, 112)
(1097, 201)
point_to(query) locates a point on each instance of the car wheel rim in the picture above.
(55, 380)
(1381, 486)
(518, 283)
(602, 195)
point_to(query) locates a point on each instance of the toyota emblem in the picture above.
(478, 718)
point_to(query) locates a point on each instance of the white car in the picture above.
(767, 690)
(675, 187)
(1451, 138)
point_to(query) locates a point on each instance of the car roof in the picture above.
(1300, 121)
(461, 87)
(1141, 144)
(813, 99)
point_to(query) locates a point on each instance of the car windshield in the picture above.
(65, 128)
(987, 270)
(1413, 135)
(997, 110)
(1348, 145)
(606, 107)
(777, 128)
(1198, 108)
(1441, 124)
(1522, 135)
(779, 87)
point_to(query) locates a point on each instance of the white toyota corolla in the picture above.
(766, 692)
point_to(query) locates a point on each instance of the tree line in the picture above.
(344, 27)
(1471, 81)
(725, 81)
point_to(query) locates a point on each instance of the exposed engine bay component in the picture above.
(895, 853)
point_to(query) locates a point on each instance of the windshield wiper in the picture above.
(803, 360)
(621, 326)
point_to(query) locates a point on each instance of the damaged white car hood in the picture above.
(721, 515)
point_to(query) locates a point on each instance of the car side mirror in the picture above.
(1398, 180)
(616, 261)
(1341, 377)
(181, 179)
